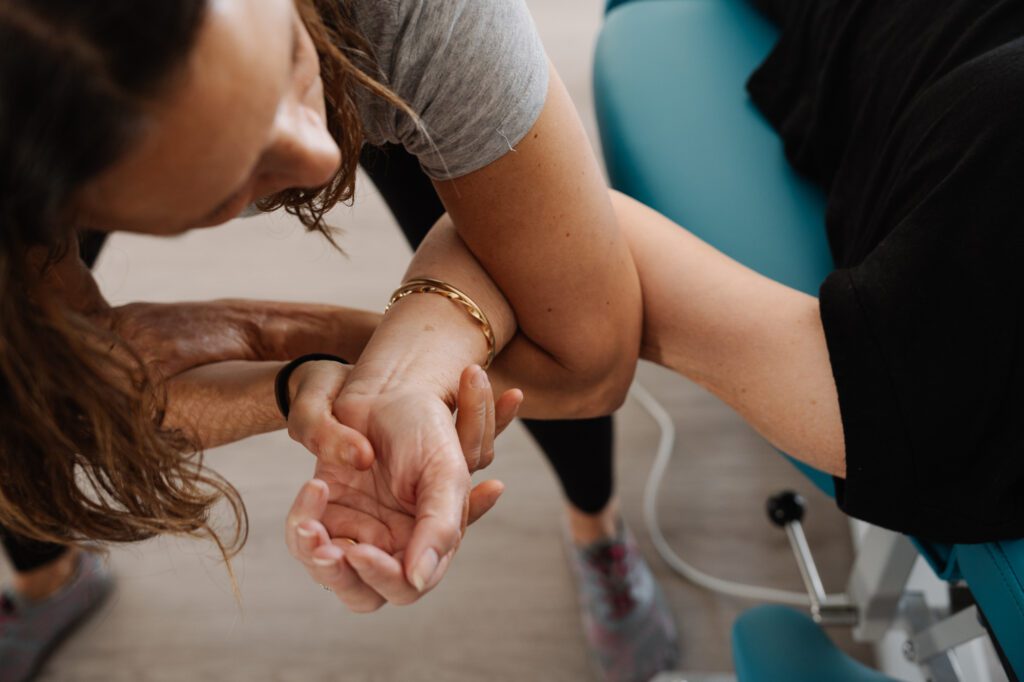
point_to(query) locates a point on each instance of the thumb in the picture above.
(441, 507)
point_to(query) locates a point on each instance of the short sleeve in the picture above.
(925, 334)
(474, 71)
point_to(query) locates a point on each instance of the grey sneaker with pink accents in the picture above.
(630, 629)
(31, 630)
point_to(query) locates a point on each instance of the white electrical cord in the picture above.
(666, 444)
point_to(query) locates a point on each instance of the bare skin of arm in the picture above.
(756, 344)
(533, 239)
(216, 359)
(226, 391)
(541, 224)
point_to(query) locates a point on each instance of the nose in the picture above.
(302, 153)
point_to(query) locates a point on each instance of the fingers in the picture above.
(346, 522)
(474, 419)
(507, 409)
(312, 421)
(483, 498)
(479, 420)
(442, 506)
(384, 573)
(324, 558)
(308, 507)
(330, 567)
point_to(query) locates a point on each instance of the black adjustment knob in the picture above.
(785, 508)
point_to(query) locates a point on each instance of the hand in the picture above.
(374, 508)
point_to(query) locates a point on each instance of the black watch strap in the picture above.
(281, 382)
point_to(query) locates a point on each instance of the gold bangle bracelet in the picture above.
(425, 285)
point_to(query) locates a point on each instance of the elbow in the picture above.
(608, 396)
(602, 388)
(607, 373)
(574, 395)
(596, 406)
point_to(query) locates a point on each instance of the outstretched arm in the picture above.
(756, 344)
(222, 401)
(217, 360)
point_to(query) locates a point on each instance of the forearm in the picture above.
(174, 337)
(274, 330)
(223, 402)
(551, 388)
(756, 344)
(227, 401)
(288, 330)
(428, 340)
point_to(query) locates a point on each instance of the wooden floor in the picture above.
(507, 610)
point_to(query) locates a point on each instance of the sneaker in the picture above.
(31, 631)
(630, 630)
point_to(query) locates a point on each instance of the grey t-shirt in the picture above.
(474, 70)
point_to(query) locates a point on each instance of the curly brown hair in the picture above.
(81, 453)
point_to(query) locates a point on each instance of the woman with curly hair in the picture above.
(162, 117)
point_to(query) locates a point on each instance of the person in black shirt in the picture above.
(901, 379)
(909, 115)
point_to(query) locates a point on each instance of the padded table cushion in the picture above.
(995, 573)
(778, 644)
(681, 135)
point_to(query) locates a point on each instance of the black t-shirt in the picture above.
(910, 114)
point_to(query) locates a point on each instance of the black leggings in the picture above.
(579, 450)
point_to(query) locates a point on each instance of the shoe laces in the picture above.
(612, 566)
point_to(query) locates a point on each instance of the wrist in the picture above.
(446, 341)
(292, 377)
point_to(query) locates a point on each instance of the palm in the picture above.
(362, 507)
(379, 506)
(397, 473)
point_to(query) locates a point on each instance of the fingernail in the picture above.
(324, 562)
(480, 379)
(424, 570)
(305, 532)
(352, 455)
(312, 490)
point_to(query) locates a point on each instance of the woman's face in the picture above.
(246, 121)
